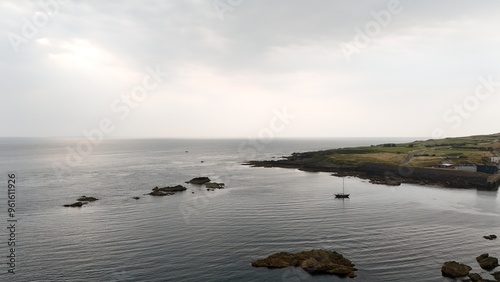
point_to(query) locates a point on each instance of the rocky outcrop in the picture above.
(486, 262)
(167, 191)
(455, 269)
(157, 192)
(87, 199)
(199, 180)
(314, 262)
(77, 204)
(497, 275)
(490, 237)
(177, 188)
(83, 200)
(214, 185)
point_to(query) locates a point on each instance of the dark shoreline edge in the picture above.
(386, 174)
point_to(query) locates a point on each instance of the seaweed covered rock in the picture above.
(314, 262)
(487, 262)
(455, 269)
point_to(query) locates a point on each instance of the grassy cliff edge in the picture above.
(419, 162)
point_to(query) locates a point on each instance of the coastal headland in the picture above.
(458, 162)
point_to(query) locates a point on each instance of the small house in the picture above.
(447, 165)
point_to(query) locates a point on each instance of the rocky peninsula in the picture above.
(431, 162)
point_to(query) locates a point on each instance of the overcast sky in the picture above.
(240, 68)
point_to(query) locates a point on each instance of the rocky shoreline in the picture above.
(453, 269)
(386, 174)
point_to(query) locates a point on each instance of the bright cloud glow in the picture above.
(225, 77)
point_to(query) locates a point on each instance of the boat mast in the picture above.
(343, 191)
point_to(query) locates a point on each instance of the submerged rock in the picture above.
(77, 204)
(455, 269)
(314, 262)
(497, 275)
(87, 199)
(486, 262)
(199, 180)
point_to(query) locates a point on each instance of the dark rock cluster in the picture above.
(83, 200)
(455, 269)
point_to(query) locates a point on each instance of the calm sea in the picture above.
(400, 233)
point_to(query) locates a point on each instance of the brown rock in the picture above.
(278, 260)
(487, 262)
(482, 256)
(314, 262)
(455, 269)
(474, 277)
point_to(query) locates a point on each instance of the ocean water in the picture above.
(400, 233)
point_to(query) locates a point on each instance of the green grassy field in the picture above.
(460, 150)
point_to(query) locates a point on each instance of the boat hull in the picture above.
(341, 195)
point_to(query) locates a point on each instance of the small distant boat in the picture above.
(342, 195)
